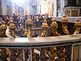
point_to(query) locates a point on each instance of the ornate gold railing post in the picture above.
(15, 53)
(3, 27)
(54, 27)
(12, 28)
(3, 51)
(29, 34)
(64, 25)
(44, 51)
(77, 27)
(29, 30)
(44, 29)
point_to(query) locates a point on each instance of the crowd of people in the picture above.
(21, 21)
(20, 25)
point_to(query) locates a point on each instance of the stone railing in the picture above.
(60, 48)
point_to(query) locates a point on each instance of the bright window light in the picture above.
(18, 1)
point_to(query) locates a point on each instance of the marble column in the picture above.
(55, 8)
(50, 7)
(13, 8)
(62, 7)
(44, 7)
(0, 8)
(38, 7)
(3, 4)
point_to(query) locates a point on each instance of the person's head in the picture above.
(13, 14)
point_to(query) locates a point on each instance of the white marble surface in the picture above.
(39, 40)
(70, 19)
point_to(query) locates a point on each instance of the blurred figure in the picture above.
(3, 27)
(15, 19)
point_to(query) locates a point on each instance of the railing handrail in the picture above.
(39, 41)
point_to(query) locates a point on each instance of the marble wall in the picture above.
(33, 7)
(10, 6)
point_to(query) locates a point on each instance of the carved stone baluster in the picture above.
(54, 27)
(77, 27)
(64, 25)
